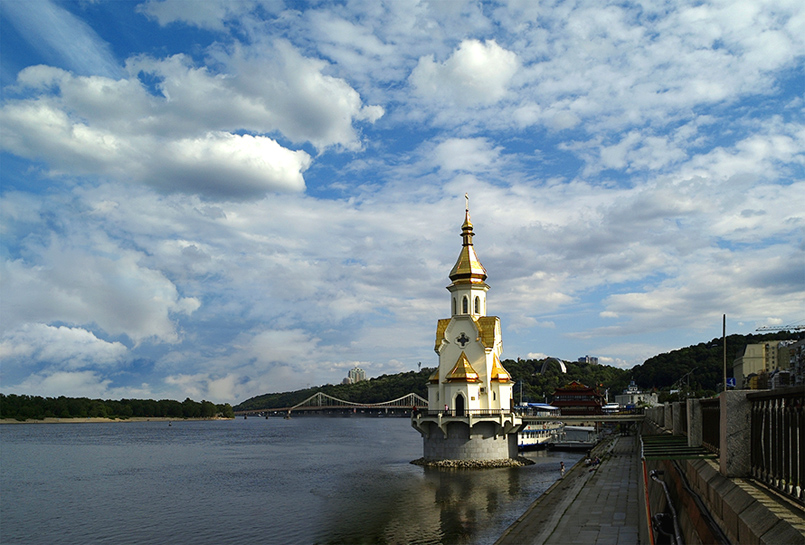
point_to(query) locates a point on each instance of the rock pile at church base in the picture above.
(473, 464)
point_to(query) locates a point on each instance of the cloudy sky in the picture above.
(221, 199)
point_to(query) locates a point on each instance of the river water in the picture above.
(307, 480)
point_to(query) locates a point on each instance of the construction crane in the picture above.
(781, 328)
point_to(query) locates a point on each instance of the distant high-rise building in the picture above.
(592, 360)
(356, 374)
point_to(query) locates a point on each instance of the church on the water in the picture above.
(470, 395)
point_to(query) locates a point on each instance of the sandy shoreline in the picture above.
(96, 420)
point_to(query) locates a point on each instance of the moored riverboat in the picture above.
(575, 438)
(538, 435)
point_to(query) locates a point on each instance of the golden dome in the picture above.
(468, 267)
(462, 371)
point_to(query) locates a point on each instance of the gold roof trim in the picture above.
(441, 327)
(499, 373)
(462, 371)
(487, 328)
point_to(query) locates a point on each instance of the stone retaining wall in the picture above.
(463, 443)
(743, 511)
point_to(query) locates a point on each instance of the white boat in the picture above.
(575, 438)
(611, 408)
(538, 435)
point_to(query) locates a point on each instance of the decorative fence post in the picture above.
(694, 417)
(668, 418)
(676, 424)
(735, 434)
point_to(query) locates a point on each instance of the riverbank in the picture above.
(96, 420)
(587, 505)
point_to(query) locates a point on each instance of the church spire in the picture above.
(468, 267)
(466, 229)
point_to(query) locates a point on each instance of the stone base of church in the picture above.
(485, 440)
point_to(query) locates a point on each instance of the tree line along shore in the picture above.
(25, 407)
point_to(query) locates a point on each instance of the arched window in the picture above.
(477, 305)
(466, 305)
(494, 396)
(454, 305)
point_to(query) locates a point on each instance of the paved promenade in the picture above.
(598, 507)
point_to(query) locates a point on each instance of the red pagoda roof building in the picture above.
(577, 399)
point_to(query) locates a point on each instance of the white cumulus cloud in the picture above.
(107, 288)
(476, 73)
(64, 347)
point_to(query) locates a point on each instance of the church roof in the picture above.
(576, 387)
(468, 268)
(434, 377)
(487, 328)
(499, 373)
(462, 371)
(441, 327)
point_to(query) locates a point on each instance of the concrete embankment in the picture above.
(599, 506)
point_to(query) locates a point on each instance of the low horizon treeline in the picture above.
(26, 407)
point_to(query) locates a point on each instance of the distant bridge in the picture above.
(321, 402)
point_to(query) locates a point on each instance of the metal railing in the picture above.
(777, 437)
(711, 424)
(467, 412)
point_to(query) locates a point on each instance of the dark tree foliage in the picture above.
(23, 407)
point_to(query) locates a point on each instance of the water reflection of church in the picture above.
(470, 403)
